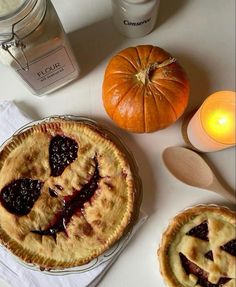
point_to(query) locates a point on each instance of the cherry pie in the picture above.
(199, 248)
(67, 193)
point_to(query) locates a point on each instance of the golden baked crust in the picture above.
(57, 228)
(198, 248)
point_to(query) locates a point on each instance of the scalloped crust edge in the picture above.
(173, 227)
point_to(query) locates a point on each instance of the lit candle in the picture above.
(212, 127)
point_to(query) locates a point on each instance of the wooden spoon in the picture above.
(189, 167)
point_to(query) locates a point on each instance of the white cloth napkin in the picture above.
(11, 119)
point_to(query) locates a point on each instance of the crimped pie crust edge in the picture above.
(173, 228)
(25, 254)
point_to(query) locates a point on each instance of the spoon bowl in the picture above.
(190, 168)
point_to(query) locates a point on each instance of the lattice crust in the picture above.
(46, 227)
(199, 248)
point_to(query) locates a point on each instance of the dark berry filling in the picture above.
(209, 255)
(19, 196)
(59, 186)
(200, 231)
(230, 247)
(62, 152)
(52, 192)
(192, 268)
(71, 205)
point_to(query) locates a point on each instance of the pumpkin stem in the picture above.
(143, 75)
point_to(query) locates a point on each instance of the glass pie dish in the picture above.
(119, 244)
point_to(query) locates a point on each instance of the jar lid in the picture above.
(10, 7)
(136, 1)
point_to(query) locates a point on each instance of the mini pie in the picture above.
(67, 194)
(199, 248)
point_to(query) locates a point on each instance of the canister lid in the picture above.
(136, 1)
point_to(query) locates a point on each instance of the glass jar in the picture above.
(34, 44)
(135, 18)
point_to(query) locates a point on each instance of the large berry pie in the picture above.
(199, 248)
(67, 194)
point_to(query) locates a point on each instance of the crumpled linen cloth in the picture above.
(11, 119)
(11, 270)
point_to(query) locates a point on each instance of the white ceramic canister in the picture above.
(33, 43)
(135, 18)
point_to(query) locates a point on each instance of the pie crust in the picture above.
(198, 248)
(67, 194)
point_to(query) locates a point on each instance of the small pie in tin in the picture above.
(199, 248)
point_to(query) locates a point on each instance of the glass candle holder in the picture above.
(212, 127)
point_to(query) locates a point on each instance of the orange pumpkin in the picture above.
(144, 89)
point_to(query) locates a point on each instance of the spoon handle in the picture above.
(217, 187)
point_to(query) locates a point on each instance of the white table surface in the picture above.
(201, 35)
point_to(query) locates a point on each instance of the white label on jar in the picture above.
(48, 69)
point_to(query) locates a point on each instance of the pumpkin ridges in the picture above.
(159, 91)
(123, 57)
(144, 109)
(119, 73)
(125, 115)
(112, 105)
(139, 87)
(149, 128)
(138, 58)
(178, 97)
(120, 63)
(176, 103)
(169, 73)
(171, 80)
(120, 100)
(171, 119)
(134, 57)
(116, 83)
(144, 53)
(158, 55)
(150, 55)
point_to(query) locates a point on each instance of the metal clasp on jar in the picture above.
(16, 42)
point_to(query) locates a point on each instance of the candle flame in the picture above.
(222, 121)
(220, 124)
